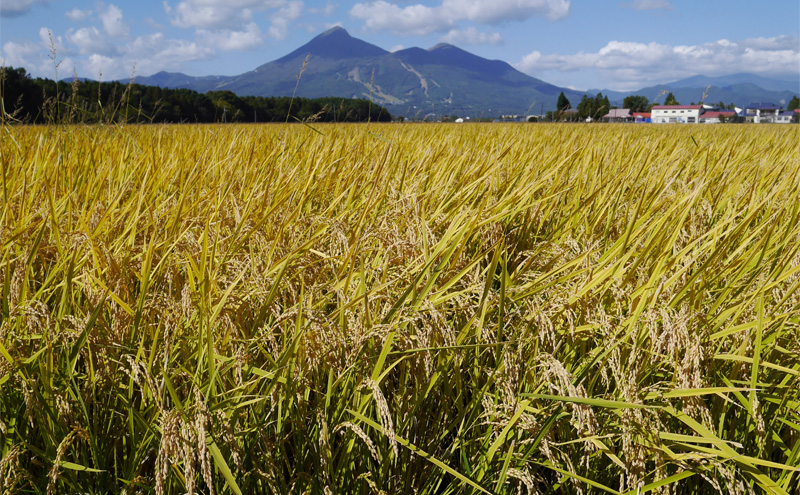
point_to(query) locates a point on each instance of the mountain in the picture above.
(444, 80)
(177, 80)
(768, 83)
(741, 89)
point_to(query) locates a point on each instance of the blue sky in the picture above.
(581, 44)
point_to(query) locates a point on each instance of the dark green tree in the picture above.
(44, 101)
(671, 100)
(563, 102)
(601, 106)
(636, 103)
(585, 107)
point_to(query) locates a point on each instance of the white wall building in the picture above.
(676, 114)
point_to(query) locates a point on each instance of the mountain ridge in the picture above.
(441, 80)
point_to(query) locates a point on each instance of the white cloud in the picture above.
(233, 20)
(19, 54)
(649, 5)
(112, 21)
(414, 19)
(145, 55)
(630, 65)
(497, 11)
(77, 14)
(36, 57)
(326, 11)
(91, 40)
(227, 40)
(396, 48)
(50, 42)
(471, 36)
(211, 14)
(281, 19)
(418, 19)
(16, 8)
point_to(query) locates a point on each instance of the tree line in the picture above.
(40, 100)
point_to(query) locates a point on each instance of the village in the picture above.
(636, 109)
(756, 113)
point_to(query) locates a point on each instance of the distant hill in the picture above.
(768, 83)
(741, 89)
(443, 80)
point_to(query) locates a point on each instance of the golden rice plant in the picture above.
(400, 309)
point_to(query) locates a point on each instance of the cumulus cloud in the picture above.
(649, 5)
(16, 8)
(145, 55)
(326, 11)
(629, 65)
(113, 25)
(471, 36)
(220, 14)
(50, 42)
(19, 54)
(91, 40)
(418, 19)
(77, 14)
(232, 21)
(283, 17)
(36, 57)
(227, 40)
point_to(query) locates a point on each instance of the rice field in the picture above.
(400, 309)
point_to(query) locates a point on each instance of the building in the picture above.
(676, 114)
(785, 117)
(642, 117)
(618, 115)
(762, 113)
(716, 116)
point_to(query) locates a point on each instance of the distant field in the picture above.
(400, 309)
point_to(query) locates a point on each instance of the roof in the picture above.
(643, 115)
(763, 106)
(716, 115)
(678, 107)
(618, 113)
(788, 113)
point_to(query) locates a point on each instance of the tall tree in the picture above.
(563, 102)
(585, 107)
(671, 100)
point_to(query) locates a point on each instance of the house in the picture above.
(762, 113)
(675, 114)
(618, 115)
(785, 117)
(716, 116)
(642, 117)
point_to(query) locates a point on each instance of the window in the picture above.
(691, 120)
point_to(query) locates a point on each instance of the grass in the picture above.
(400, 309)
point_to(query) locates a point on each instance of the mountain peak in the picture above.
(441, 46)
(335, 43)
(335, 30)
